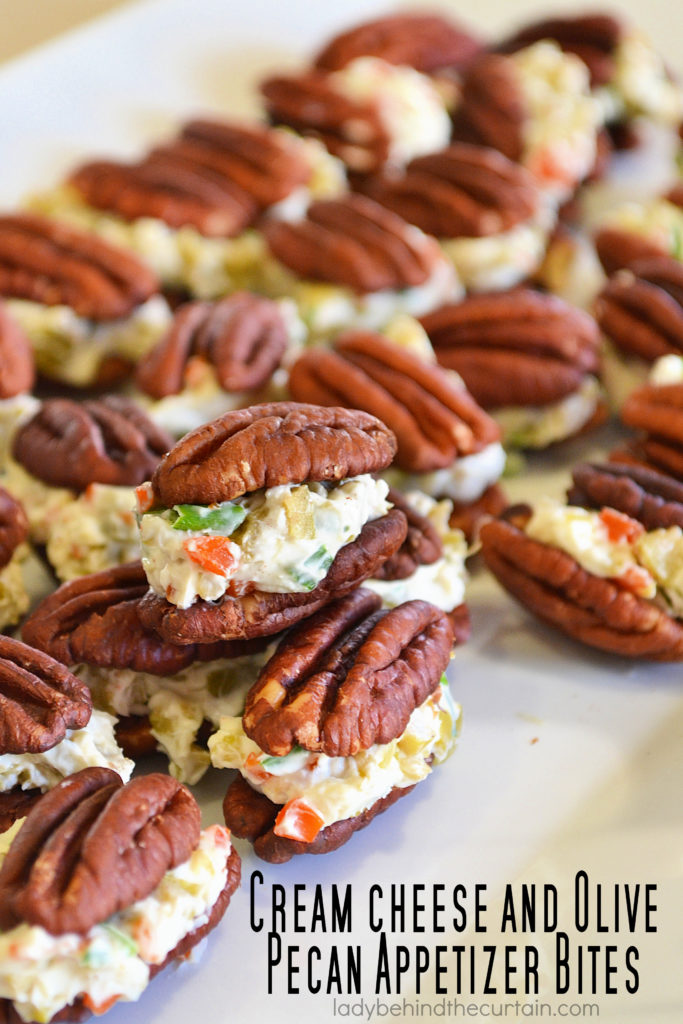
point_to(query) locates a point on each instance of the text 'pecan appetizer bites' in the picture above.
(90, 309)
(103, 885)
(75, 467)
(351, 263)
(256, 520)
(349, 714)
(188, 208)
(164, 695)
(535, 107)
(655, 410)
(640, 313)
(447, 445)
(214, 357)
(609, 574)
(48, 729)
(531, 359)
(487, 212)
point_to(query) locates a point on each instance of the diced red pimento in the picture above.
(297, 820)
(637, 580)
(621, 529)
(252, 763)
(220, 836)
(196, 370)
(99, 1008)
(145, 498)
(214, 554)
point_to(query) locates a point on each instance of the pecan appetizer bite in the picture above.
(216, 356)
(89, 308)
(535, 107)
(530, 359)
(627, 76)
(351, 263)
(350, 713)
(258, 519)
(488, 213)
(448, 446)
(640, 313)
(74, 467)
(188, 208)
(166, 697)
(14, 554)
(48, 729)
(606, 569)
(655, 411)
(103, 885)
(634, 231)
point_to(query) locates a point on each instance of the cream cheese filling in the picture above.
(498, 262)
(42, 973)
(463, 482)
(622, 373)
(641, 85)
(337, 788)
(42, 503)
(540, 426)
(14, 412)
(656, 220)
(14, 597)
(96, 531)
(285, 542)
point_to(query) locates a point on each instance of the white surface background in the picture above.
(568, 759)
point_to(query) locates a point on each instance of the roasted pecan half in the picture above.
(354, 242)
(620, 250)
(588, 608)
(92, 846)
(17, 368)
(14, 804)
(426, 42)
(39, 700)
(107, 441)
(268, 445)
(13, 526)
(168, 185)
(657, 410)
(592, 37)
(312, 104)
(515, 348)
(251, 815)
(260, 613)
(434, 419)
(422, 545)
(492, 109)
(45, 261)
(641, 309)
(465, 190)
(348, 678)
(468, 517)
(243, 337)
(95, 619)
(653, 499)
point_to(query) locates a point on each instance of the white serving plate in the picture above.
(568, 760)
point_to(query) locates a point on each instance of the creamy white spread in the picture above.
(561, 129)
(656, 220)
(622, 373)
(42, 503)
(640, 84)
(410, 107)
(42, 973)
(69, 348)
(540, 426)
(14, 598)
(463, 482)
(93, 746)
(443, 582)
(336, 788)
(497, 262)
(96, 531)
(286, 541)
(14, 412)
(667, 370)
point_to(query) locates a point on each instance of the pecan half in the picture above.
(260, 613)
(311, 104)
(251, 815)
(618, 249)
(92, 846)
(354, 242)
(14, 804)
(515, 348)
(468, 517)
(465, 190)
(422, 545)
(426, 42)
(588, 608)
(95, 620)
(268, 445)
(107, 441)
(492, 109)
(658, 411)
(348, 678)
(592, 37)
(169, 186)
(39, 700)
(13, 526)
(45, 261)
(653, 499)
(434, 419)
(641, 309)
(675, 194)
(17, 368)
(243, 337)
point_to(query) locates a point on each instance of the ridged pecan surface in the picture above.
(657, 411)
(17, 368)
(422, 545)
(652, 498)
(641, 309)
(618, 249)
(492, 110)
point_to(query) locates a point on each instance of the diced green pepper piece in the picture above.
(223, 518)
